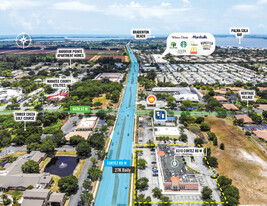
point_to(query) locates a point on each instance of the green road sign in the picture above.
(79, 109)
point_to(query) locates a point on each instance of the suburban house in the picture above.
(42, 197)
(261, 134)
(12, 178)
(246, 118)
(220, 98)
(230, 107)
(262, 106)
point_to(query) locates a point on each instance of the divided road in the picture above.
(114, 188)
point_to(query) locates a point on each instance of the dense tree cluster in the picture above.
(94, 173)
(255, 117)
(205, 127)
(231, 192)
(141, 198)
(142, 183)
(198, 141)
(212, 104)
(68, 185)
(189, 105)
(32, 135)
(82, 93)
(148, 81)
(83, 150)
(97, 140)
(186, 119)
(183, 138)
(30, 167)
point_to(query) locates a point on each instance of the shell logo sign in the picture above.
(193, 50)
(151, 99)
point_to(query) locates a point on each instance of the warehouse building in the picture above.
(180, 93)
(114, 77)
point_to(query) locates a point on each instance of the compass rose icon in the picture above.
(23, 40)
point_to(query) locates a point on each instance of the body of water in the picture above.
(56, 167)
(249, 41)
(60, 38)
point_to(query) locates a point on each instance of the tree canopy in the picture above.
(83, 150)
(97, 141)
(94, 173)
(30, 167)
(68, 185)
(142, 183)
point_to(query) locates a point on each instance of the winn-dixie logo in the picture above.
(206, 45)
(180, 37)
(199, 37)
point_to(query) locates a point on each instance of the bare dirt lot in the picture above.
(241, 161)
(105, 102)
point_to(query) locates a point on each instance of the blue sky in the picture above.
(120, 16)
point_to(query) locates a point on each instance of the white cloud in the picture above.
(4, 5)
(74, 6)
(250, 7)
(136, 10)
(186, 1)
(261, 26)
(262, 2)
(244, 7)
(18, 4)
(165, 4)
(20, 21)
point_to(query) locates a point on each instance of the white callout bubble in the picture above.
(190, 43)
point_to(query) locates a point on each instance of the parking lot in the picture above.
(185, 198)
(147, 172)
(203, 178)
(145, 132)
(70, 125)
(100, 123)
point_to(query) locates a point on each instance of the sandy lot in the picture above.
(241, 161)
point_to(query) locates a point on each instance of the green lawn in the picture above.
(16, 193)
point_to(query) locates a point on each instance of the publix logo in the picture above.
(173, 45)
(183, 44)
